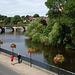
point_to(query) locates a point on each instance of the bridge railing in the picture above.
(40, 64)
(16, 25)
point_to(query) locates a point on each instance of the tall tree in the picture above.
(27, 17)
(15, 19)
(7, 20)
(35, 15)
(23, 17)
(62, 12)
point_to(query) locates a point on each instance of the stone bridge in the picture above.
(13, 27)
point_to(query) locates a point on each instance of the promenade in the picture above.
(22, 68)
(4, 70)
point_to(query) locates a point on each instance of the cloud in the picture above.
(22, 7)
(4, 2)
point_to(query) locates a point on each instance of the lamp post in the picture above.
(30, 51)
(58, 59)
(13, 46)
(0, 45)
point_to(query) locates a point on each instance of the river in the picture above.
(42, 53)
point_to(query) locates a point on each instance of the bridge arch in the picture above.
(13, 27)
(23, 28)
(20, 27)
(2, 29)
(9, 27)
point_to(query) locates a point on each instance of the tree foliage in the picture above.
(7, 20)
(47, 30)
(63, 13)
(35, 28)
(4, 20)
(15, 19)
(35, 15)
(36, 37)
(54, 34)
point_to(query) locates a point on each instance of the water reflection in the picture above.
(50, 52)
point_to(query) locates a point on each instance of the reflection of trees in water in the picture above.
(50, 52)
(70, 59)
(69, 56)
(37, 46)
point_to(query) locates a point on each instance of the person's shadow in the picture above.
(15, 63)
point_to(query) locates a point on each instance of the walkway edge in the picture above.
(34, 66)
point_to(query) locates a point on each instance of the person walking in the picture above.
(19, 58)
(12, 59)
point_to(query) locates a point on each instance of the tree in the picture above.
(54, 6)
(23, 17)
(7, 20)
(47, 30)
(54, 34)
(60, 8)
(3, 19)
(27, 17)
(35, 15)
(43, 22)
(15, 19)
(63, 13)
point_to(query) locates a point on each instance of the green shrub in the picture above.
(26, 33)
(44, 39)
(31, 28)
(38, 20)
(47, 30)
(32, 32)
(32, 25)
(40, 28)
(36, 37)
(54, 34)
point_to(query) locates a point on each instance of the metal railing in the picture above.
(40, 64)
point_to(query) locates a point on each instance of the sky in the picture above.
(11, 8)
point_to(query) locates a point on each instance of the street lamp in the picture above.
(30, 51)
(13, 46)
(58, 59)
(1, 43)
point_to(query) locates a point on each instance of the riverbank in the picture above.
(23, 68)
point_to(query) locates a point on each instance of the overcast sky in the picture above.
(11, 8)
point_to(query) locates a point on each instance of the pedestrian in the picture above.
(19, 58)
(12, 59)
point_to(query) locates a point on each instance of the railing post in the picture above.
(30, 61)
(13, 51)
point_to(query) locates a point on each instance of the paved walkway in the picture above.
(7, 71)
(22, 68)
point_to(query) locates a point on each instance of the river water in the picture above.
(42, 53)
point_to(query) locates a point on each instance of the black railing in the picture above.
(40, 64)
